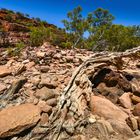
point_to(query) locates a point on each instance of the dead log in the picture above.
(73, 111)
(10, 93)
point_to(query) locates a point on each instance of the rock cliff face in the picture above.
(52, 93)
(15, 27)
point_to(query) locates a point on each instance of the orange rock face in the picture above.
(4, 71)
(14, 120)
(106, 109)
(136, 110)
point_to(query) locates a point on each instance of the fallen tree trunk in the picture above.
(73, 110)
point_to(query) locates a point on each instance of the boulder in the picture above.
(125, 100)
(57, 56)
(47, 81)
(44, 107)
(20, 69)
(112, 93)
(45, 93)
(4, 71)
(2, 87)
(44, 69)
(69, 58)
(52, 102)
(135, 86)
(30, 65)
(138, 120)
(122, 128)
(133, 123)
(40, 54)
(44, 119)
(105, 108)
(135, 99)
(16, 119)
(136, 110)
(35, 80)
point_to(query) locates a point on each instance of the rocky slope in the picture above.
(35, 79)
(15, 27)
(33, 84)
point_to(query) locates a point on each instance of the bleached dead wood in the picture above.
(73, 110)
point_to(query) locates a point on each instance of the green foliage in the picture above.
(15, 51)
(103, 34)
(99, 18)
(121, 38)
(21, 15)
(10, 12)
(29, 24)
(8, 18)
(4, 42)
(114, 38)
(66, 45)
(38, 19)
(76, 24)
(44, 22)
(39, 35)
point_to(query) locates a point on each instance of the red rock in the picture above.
(44, 69)
(132, 122)
(112, 93)
(14, 27)
(122, 128)
(57, 56)
(135, 99)
(48, 82)
(30, 65)
(138, 120)
(69, 58)
(35, 80)
(136, 110)
(125, 100)
(40, 54)
(44, 119)
(45, 93)
(105, 108)
(2, 87)
(44, 107)
(14, 120)
(4, 71)
(20, 69)
(52, 102)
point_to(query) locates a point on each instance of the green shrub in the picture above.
(10, 12)
(15, 51)
(8, 18)
(66, 45)
(29, 24)
(39, 35)
(38, 19)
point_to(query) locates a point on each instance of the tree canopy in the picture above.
(102, 33)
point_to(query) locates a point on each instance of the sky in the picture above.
(126, 12)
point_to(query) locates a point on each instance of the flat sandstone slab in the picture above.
(14, 120)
